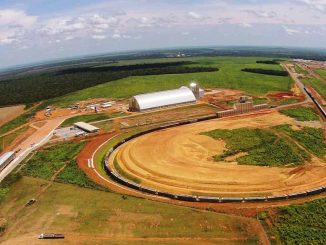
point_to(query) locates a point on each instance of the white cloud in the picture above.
(290, 31)
(99, 37)
(13, 23)
(315, 4)
(247, 25)
(194, 15)
(262, 14)
(17, 18)
(116, 36)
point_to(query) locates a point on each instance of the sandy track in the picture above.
(179, 160)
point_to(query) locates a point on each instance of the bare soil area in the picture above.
(10, 112)
(179, 160)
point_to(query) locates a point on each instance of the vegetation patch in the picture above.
(9, 138)
(299, 70)
(58, 83)
(72, 174)
(7, 182)
(269, 62)
(301, 114)
(311, 138)
(287, 101)
(266, 72)
(318, 85)
(301, 224)
(321, 72)
(258, 101)
(45, 163)
(263, 147)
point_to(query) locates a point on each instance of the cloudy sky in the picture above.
(36, 30)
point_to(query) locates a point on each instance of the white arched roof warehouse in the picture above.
(164, 98)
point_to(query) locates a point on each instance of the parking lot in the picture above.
(69, 132)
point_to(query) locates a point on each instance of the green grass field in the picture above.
(263, 148)
(310, 138)
(318, 85)
(299, 70)
(45, 163)
(321, 72)
(301, 114)
(95, 215)
(229, 76)
(301, 224)
(71, 174)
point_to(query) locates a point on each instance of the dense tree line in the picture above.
(123, 67)
(268, 62)
(266, 72)
(37, 87)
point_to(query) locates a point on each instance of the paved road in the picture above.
(39, 138)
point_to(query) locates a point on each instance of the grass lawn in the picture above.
(301, 224)
(93, 214)
(263, 148)
(45, 163)
(229, 76)
(301, 114)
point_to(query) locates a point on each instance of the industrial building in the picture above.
(166, 98)
(86, 127)
(244, 105)
(6, 158)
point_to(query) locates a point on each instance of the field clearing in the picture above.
(169, 114)
(321, 72)
(7, 140)
(10, 112)
(180, 160)
(318, 85)
(229, 76)
(89, 216)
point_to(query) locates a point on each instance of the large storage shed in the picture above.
(161, 99)
(86, 127)
(6, 158)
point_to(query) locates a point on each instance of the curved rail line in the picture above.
(190, 198)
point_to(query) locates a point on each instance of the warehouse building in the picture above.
(86, 127)
(6, 158)
(166, 98)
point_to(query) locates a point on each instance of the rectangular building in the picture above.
(86, 127)
(6, 158)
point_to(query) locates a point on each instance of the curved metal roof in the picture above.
(165, 98)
